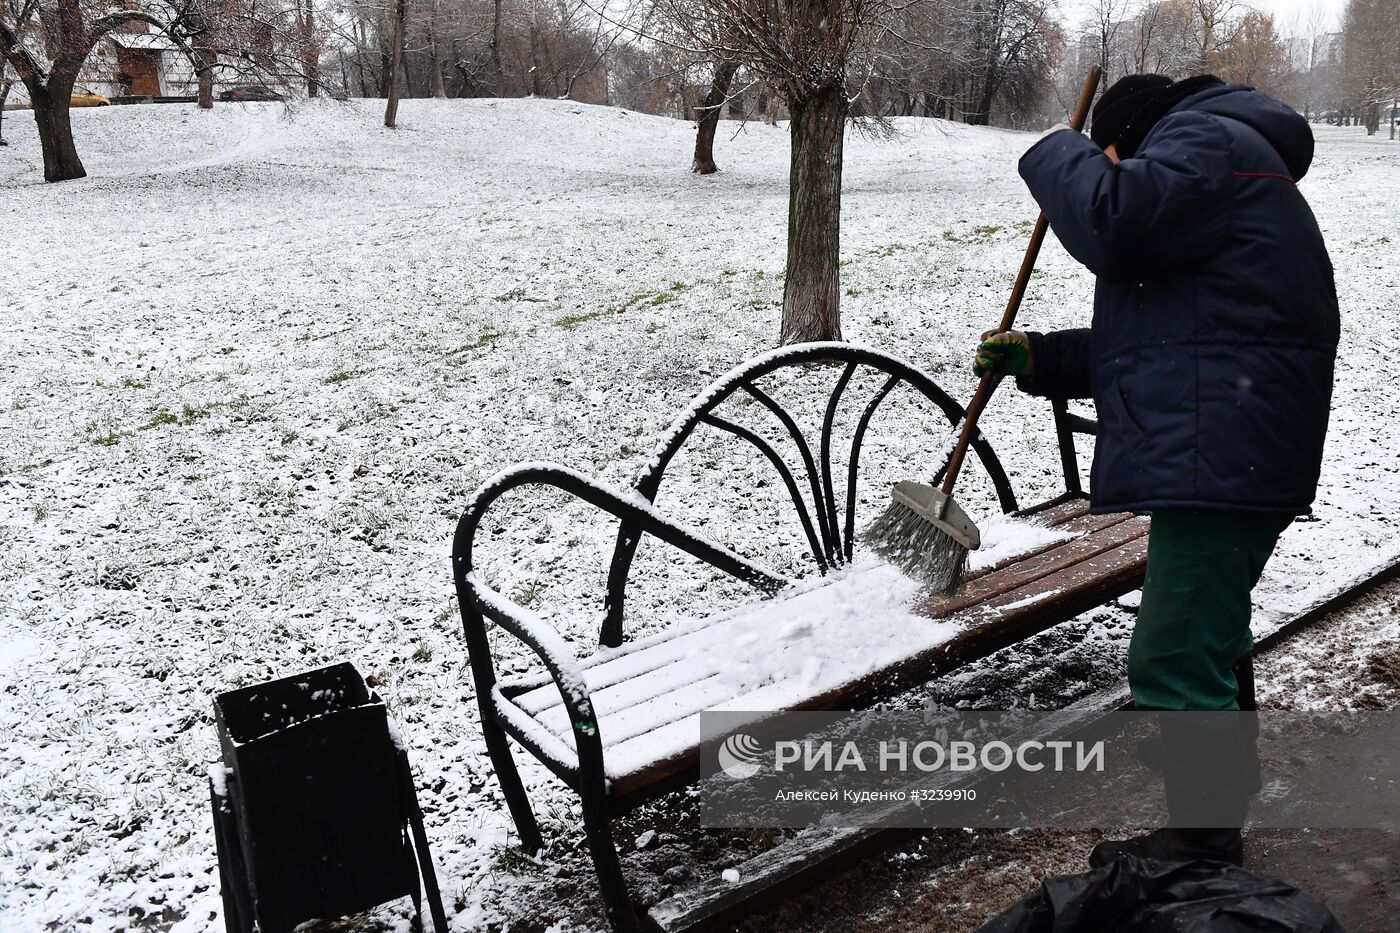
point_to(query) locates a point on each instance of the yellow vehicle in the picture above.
(81, 97)
(85, 97)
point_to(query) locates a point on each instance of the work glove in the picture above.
(1054, 129)
(1005, 353)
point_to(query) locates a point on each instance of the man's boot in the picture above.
(1210, 768)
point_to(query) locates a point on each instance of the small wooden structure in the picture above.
(622, 726)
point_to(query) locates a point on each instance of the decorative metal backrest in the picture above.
(829, 526)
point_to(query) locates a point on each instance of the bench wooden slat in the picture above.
(1082, 524)
(1078, 587)
(1058, 514)
(631, 670)
(1038, 564)
(619, 698)
(624, 723)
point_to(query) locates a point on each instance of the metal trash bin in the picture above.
(315, 814)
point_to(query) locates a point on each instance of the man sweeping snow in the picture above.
(1209, 360)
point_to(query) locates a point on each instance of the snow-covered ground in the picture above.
(252, 367)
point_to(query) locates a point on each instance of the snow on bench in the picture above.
(776, 654)
(815, 645)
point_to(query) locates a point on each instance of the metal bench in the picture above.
(621, 726)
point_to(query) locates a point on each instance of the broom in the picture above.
(924, 531)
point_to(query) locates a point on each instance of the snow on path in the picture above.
(252, 366)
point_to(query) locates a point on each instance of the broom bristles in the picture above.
(918, 547)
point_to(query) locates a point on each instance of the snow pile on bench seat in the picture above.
(772, 655)
(1008, 536)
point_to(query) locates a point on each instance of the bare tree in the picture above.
(391, 107)
(203, 57)
(709, 114)
(246, 42)
(1254, 55)
(1166, 38)
(501, 48)
(1106, 19)
(807, 64)
(308, 46)
(1371, 58)
(1216, 22)
(202, 29)
(981, 61)
(815, 55)
(1010, 39)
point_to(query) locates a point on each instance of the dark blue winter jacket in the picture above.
(1215, 317)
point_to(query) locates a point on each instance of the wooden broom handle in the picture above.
(988, 385)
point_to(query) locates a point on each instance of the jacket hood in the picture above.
(1280, 124)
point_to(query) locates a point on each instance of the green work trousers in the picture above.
(1193, 624)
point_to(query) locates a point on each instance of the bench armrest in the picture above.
(559, 660)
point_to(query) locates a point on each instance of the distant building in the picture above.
(140, 64)
(1329, 48)
(1306, 53)
(133, 62)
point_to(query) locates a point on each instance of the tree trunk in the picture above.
(310, 53)
(498, 79)
(204, 71)
(439, 89)
(983, 114)
(51, 109)
(710, 109)
(536, 72)
(4, 95)
(812, 292)
(391, 109)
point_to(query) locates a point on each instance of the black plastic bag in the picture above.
(1132, 895)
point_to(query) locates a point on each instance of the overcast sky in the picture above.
(1284, 11)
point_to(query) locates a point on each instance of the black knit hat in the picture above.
(1129, 110)
(1122, 105)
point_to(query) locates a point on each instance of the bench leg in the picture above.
(612, 886)
(518, 802)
